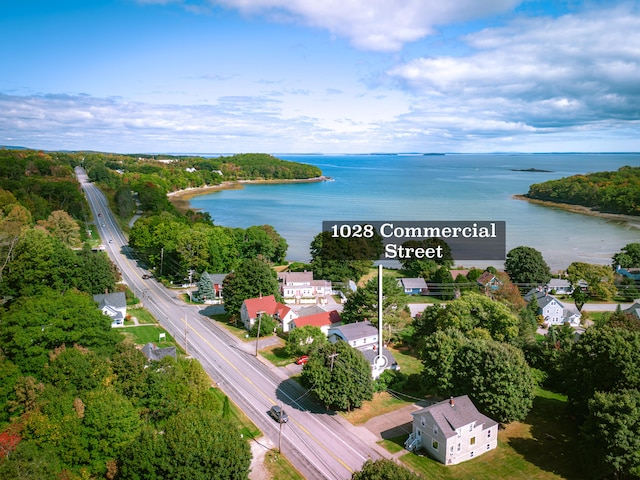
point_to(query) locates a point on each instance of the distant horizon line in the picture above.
(322, 154)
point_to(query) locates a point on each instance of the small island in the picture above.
(531, 170)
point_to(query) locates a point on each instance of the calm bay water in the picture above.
(426, 188)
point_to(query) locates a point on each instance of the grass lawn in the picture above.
(279, 467)
(238, 331)
(142, 314)
(382, 403)
(150, 333)
(277, 355)
(541, 447)
(407, 360)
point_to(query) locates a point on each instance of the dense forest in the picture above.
(611, 192)
(78, 399)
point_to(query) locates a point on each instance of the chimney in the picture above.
(451, 402)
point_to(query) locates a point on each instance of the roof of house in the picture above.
(354, 331)
(266, 305)
(455, 413)
(559, 283)
(455, 273)
(542, 297)
(634, 309)
(318, 319)
(152, 352)
(295, 277)
(413, 282)
(310, 310)
(370, 354)
(217, 278)
(486, 277)
(115, 299)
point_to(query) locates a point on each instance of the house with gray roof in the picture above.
(364, 337)
(634, 309)
(414, 286)
(114, 305)
(553, 311)
(561, 286)
(155, 354)
(452, 431)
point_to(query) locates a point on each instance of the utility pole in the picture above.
(332, 357)
(161, 259)
(280, 433)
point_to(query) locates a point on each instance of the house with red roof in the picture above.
(322, 320)
(252, 308)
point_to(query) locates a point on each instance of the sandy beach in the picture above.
(630, 220)
(180, 198)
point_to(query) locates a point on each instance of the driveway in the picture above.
(396, 423)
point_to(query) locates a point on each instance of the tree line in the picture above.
(613, 192)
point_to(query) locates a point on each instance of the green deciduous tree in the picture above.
(472, 311)
(611, 434)
(494, 374)
(253, 277)
(33, 326)
(628, 256)
(221, 452)
(300, 341)
(606, 359)
(598, 277)
(339, 375)
(384, 469)
(363, 303)
(526, 265)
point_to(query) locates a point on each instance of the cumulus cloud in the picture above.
(574, 70)
(380, 25)
(235, 123)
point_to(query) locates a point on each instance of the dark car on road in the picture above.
(278, 414)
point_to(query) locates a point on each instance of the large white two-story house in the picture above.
(452, 431)
(553, 311)
(300, 287)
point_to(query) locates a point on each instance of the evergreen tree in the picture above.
(205, 289)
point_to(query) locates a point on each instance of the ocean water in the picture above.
(452, 187)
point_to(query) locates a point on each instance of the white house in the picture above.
(553, 311)
(364, 337)
(452, 431)
(561, 286)
(252, 308)
(300, 287)
(114, 305)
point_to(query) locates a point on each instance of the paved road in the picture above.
(320, 444)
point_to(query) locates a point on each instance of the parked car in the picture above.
(302, 360)
(278, 414)
(146, 276)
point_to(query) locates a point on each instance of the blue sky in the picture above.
(329, 76)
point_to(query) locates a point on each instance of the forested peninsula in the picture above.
(616, 192)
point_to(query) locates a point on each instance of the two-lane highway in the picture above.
(321, 445)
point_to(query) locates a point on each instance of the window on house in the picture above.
(488, 433)
(434, 445)
(458, 447)
(435, 430)
(422, 421)
(472, 441)
(451, 449)
(488, 446)
(471, 455)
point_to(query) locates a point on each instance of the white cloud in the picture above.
(380, 25)
(575, 70)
